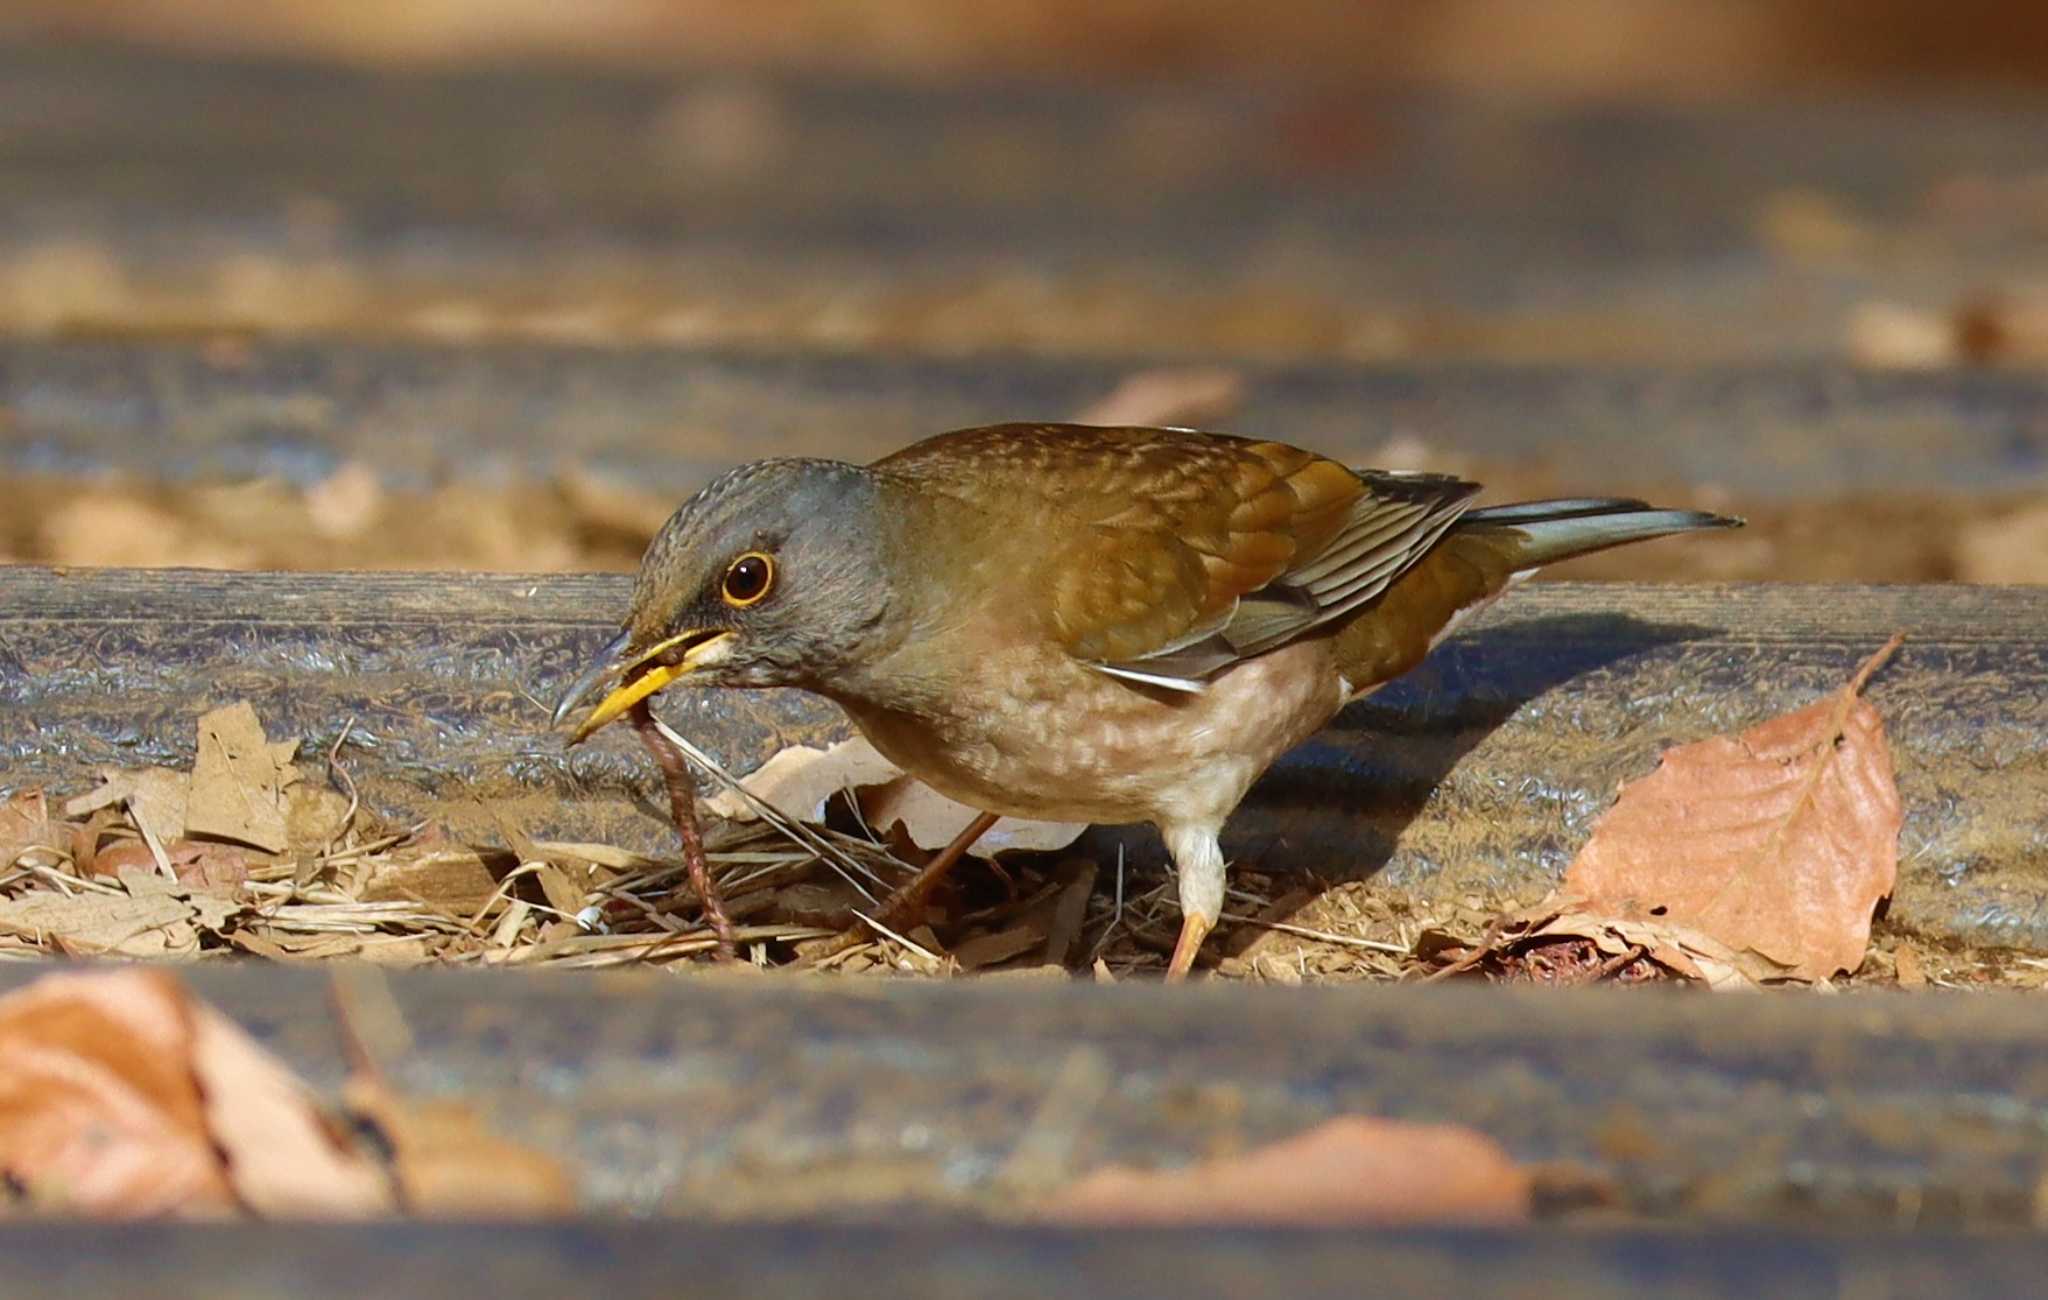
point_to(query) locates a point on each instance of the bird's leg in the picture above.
(1198, 857)
(914, 891)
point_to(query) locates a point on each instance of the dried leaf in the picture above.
(562, 893)
(1070, 909)
(208, 910)
(1778, 843)
(92, 925)
(1678, 949)
(992, 949)
(220, 869)
(239, 781)
(313, 815)
(1908, 968)
(122, 1095)
(1348, 1172)
(800, 780)
(932, 820)
(99, 1111)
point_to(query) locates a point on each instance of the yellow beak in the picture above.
(637, 678)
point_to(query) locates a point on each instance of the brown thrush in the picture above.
(1083, 624)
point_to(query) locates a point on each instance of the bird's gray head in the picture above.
(770, 576)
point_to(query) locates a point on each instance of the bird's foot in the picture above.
(1194, 927)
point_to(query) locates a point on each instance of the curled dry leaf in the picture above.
(800, 780)
(121, 1095)
(1353, 1171)
(1776, 844)
(220, 869)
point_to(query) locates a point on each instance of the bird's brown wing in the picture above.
(1186, 552)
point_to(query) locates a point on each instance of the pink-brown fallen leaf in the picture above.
(1778, 842)
(1192, 395)
(800, 780)
(217, 868)
(1347, 1172)
(121, 1095)
(99, 1111)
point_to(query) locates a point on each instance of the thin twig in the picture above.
(1320, 936)
(339, 775)
(1473, 957)
(1616, 964)
(887, 933)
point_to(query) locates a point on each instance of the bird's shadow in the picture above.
(1337, 804)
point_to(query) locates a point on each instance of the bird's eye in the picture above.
(748, 579)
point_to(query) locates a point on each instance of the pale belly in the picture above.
(1058, 741)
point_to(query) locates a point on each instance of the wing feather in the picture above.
(1173, 554)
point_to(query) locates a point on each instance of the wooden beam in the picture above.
(1482, 771)
(668, 419)
(753, 1098)
(165, 192)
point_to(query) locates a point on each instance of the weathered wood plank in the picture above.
(162, 192)
(750, 1098)
(670, 418)
(659, 1261)
(1483, 770)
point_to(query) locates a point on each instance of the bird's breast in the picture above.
(1037, 734)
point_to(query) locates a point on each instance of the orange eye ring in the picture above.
(748, 580)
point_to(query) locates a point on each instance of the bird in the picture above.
(1082, 624)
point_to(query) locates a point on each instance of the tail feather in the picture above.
(1545, 532)
(1482, 555)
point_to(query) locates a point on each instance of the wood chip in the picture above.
(1911, 972)
(239, 781)
(992, 949)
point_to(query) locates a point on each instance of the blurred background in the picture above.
(469, 284)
